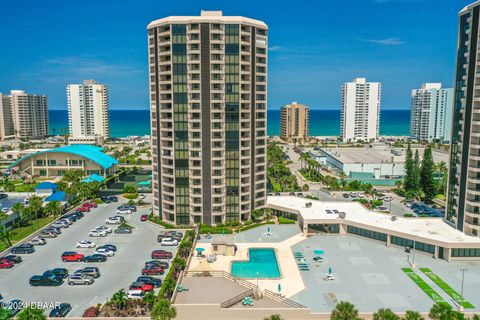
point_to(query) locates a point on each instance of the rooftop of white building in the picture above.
(429, 228)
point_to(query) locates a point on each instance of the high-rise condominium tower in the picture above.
(360, 119)
(88, 110)
(463, 198)
(294, 120)
(208, 99)
(7, 128)
(431, 115)
(30, 114)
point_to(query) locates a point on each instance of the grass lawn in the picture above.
(275, 186)
(22, 232)
(424, 286)
(445, 287)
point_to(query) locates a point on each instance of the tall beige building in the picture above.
(208, 99)
(7, 129)
(294, 122)
(30, 114)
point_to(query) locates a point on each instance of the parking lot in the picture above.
(117, 272)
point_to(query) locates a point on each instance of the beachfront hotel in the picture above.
(431, 113)
(360, 116)
(88, 119)
(208, 100)
(463, 197)
(29, 113)
(294, 122)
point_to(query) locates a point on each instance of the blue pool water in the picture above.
(262, 263)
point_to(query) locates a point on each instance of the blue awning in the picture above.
(46, 186)
(57, 196)
(94, 178)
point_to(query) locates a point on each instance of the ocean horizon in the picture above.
(136, 122)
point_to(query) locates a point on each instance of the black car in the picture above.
(113, 198)
(150, 280)
(23, 248)
(59, 272)
(50, 281)
(71, 217)
(122, 230)
(78, 214)
(157, 263)
(106, 199)
(95, 258)
(60, 311)
(12, 258)
(108, 246)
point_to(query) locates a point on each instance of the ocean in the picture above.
(322, 122)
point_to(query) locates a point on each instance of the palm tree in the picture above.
(344, 311)
(54, 208)
(162, 310)
(412, 315)
(385, 314)
(273, 317)
(30, 313)
(149, 299)
(119, 299)
(304, 158)
(442, 312)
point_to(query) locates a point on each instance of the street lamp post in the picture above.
(461, 289)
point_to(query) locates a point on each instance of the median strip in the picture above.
(424, 286)
(445, 287)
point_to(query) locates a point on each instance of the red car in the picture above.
(152, 270)
(4, 264)
(90, 204)
(161, 254)
(83, 209)
(70, 256)
(143, 217)
(141, 286)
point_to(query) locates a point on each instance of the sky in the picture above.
(314, 46)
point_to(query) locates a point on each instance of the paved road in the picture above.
(118, 272)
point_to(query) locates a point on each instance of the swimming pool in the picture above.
(262, 264)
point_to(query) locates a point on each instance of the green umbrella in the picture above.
(330, 270)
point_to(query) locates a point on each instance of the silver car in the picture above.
(79, 279)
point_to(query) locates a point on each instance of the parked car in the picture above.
(114, 220)
(70, 217)
(106, 199)
(387, 199)
(83, 209)
(48, 234)
(60, 224)
(123, 211)
(85, 244)
(169, 242)
(157, 263)
(97, 233)
(161, 254)
(143, 217)
(78, 214)
(60, 311)
(58, 272)
(150, 280)
(93, 272)
(45, 281)
(329, 276)
(75, 279)
(135, 294)
(123, 230)
(72, 256)
(152, 270)
(91, 204)
(113, 198)
(95, 258)
(13, 258)
(318, 259)
(109, 246)
(57, 231)
(22, 249)
(64, 220)
(4, 264)
(104, 228)
(105, 251)
(38, 241)
(142, 196)
(141, 286)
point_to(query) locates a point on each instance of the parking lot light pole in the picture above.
(461, 289)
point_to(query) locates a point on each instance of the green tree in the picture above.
(426, 176)
(444, 312)
(30, 313)
(149, 299)
(409, 183)
(304, 159)
(416, 180)
(163, 310)
(8, 185)
(273, 317)
(412, 315)
(4, 233)
(344, 311)
(385, 314)
(35, 204)
(119, 299)
(130, 189)
(5, 314)
(256, 215)
(54, 208)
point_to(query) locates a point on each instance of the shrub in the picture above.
(254, 225)
(130, 196)
(283, 220)
(220, 228)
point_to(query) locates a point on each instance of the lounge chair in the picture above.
(181, 288)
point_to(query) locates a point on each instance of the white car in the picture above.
(123, 211)
(105, 252)
(387, 199)
(168, 242)
(135, 294)
(97, 233)
(329, 276)
(38, 241)
(141, 196)
(60, 224)
(85, 244)
(104, 228)
(66, 221)
(114, 220)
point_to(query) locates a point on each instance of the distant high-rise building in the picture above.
(431, 114)
(208, 100)
(30, 114)
(88, 110)
(294, 119)
(463, 197)
(360, 118)
(7, 128)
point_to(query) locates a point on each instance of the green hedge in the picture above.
(254, 225)
(214, 229)
(166, 225)
(283, 220)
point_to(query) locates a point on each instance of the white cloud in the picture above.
(386, 42)
(275, 48)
